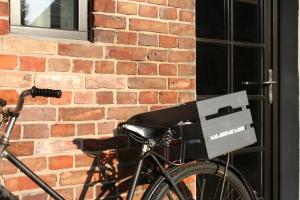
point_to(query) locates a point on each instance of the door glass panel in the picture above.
(212, 20)
(247, 68)
(247, 21)
(212, 69)
(49, 13)
(250, 165)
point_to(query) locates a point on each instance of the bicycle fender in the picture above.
(238, 174)
(156, 183)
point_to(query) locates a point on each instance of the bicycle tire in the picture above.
(234, 188)
(5, 194)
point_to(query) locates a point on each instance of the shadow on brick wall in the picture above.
(112, 166)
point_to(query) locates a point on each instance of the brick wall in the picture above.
(142, 58)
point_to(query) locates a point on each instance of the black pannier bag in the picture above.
(206, 128)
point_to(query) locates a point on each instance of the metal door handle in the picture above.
(268, 84)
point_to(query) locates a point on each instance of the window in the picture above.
(50, 18)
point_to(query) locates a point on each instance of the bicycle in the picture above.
(198, 179)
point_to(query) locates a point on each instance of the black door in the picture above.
(234, 53)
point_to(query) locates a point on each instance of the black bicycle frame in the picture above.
(42, 184)
(30, 174)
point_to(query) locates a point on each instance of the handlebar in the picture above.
(34, 92)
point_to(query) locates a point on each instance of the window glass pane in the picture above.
(247, 67)
(250, 165)
(212, 20)
(212, 69)
(59, 14)
(247, 21)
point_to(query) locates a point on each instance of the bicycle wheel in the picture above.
(201, 181)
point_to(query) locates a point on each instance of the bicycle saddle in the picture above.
(145, 131)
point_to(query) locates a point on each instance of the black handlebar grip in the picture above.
(45, 92)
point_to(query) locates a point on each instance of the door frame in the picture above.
(288, 99)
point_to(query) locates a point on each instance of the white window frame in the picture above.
(80, 34)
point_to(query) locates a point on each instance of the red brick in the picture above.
(8, 61)
(105, 127)
(35, 64)
(179, 3)
(168, 97)
(128, 68)
(108, 82)
(168, 13)
(59, 81)
(62, 130)
(15, 79)
(73, 177)
(148, 40)
(60, 162)
(123, 113)
(186, 43)
(86, 129)
(186, 97)
(157, 55)
(21, 148)
(82, 66)
(148, 11)
(42, 196)
(147, 69)
(158, 2)
(7, 168)
(16, 133)
(80, 50)
(181, 83)
(109, 21)
(182, 56)
(148, 25)
(187, 16)
(107, 6)
(126, 53)
(24, 183)
(84, 160)
(38, 114)
(84, 98)
(35, 164)
(66, 98)
(167, 41)
(104, 97)
(11, 96)
(126, 98)
(59, 65)
(105, 36)
(36, 100)
(182, 29)
(127, 8)
(186, 70)
(35, 131)
(167, 70)
(43, 147)
(80, 114)
(4, 27)
(126, 38)
(146, 83)
(4, 9)
(150, 97)
(104, 67)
